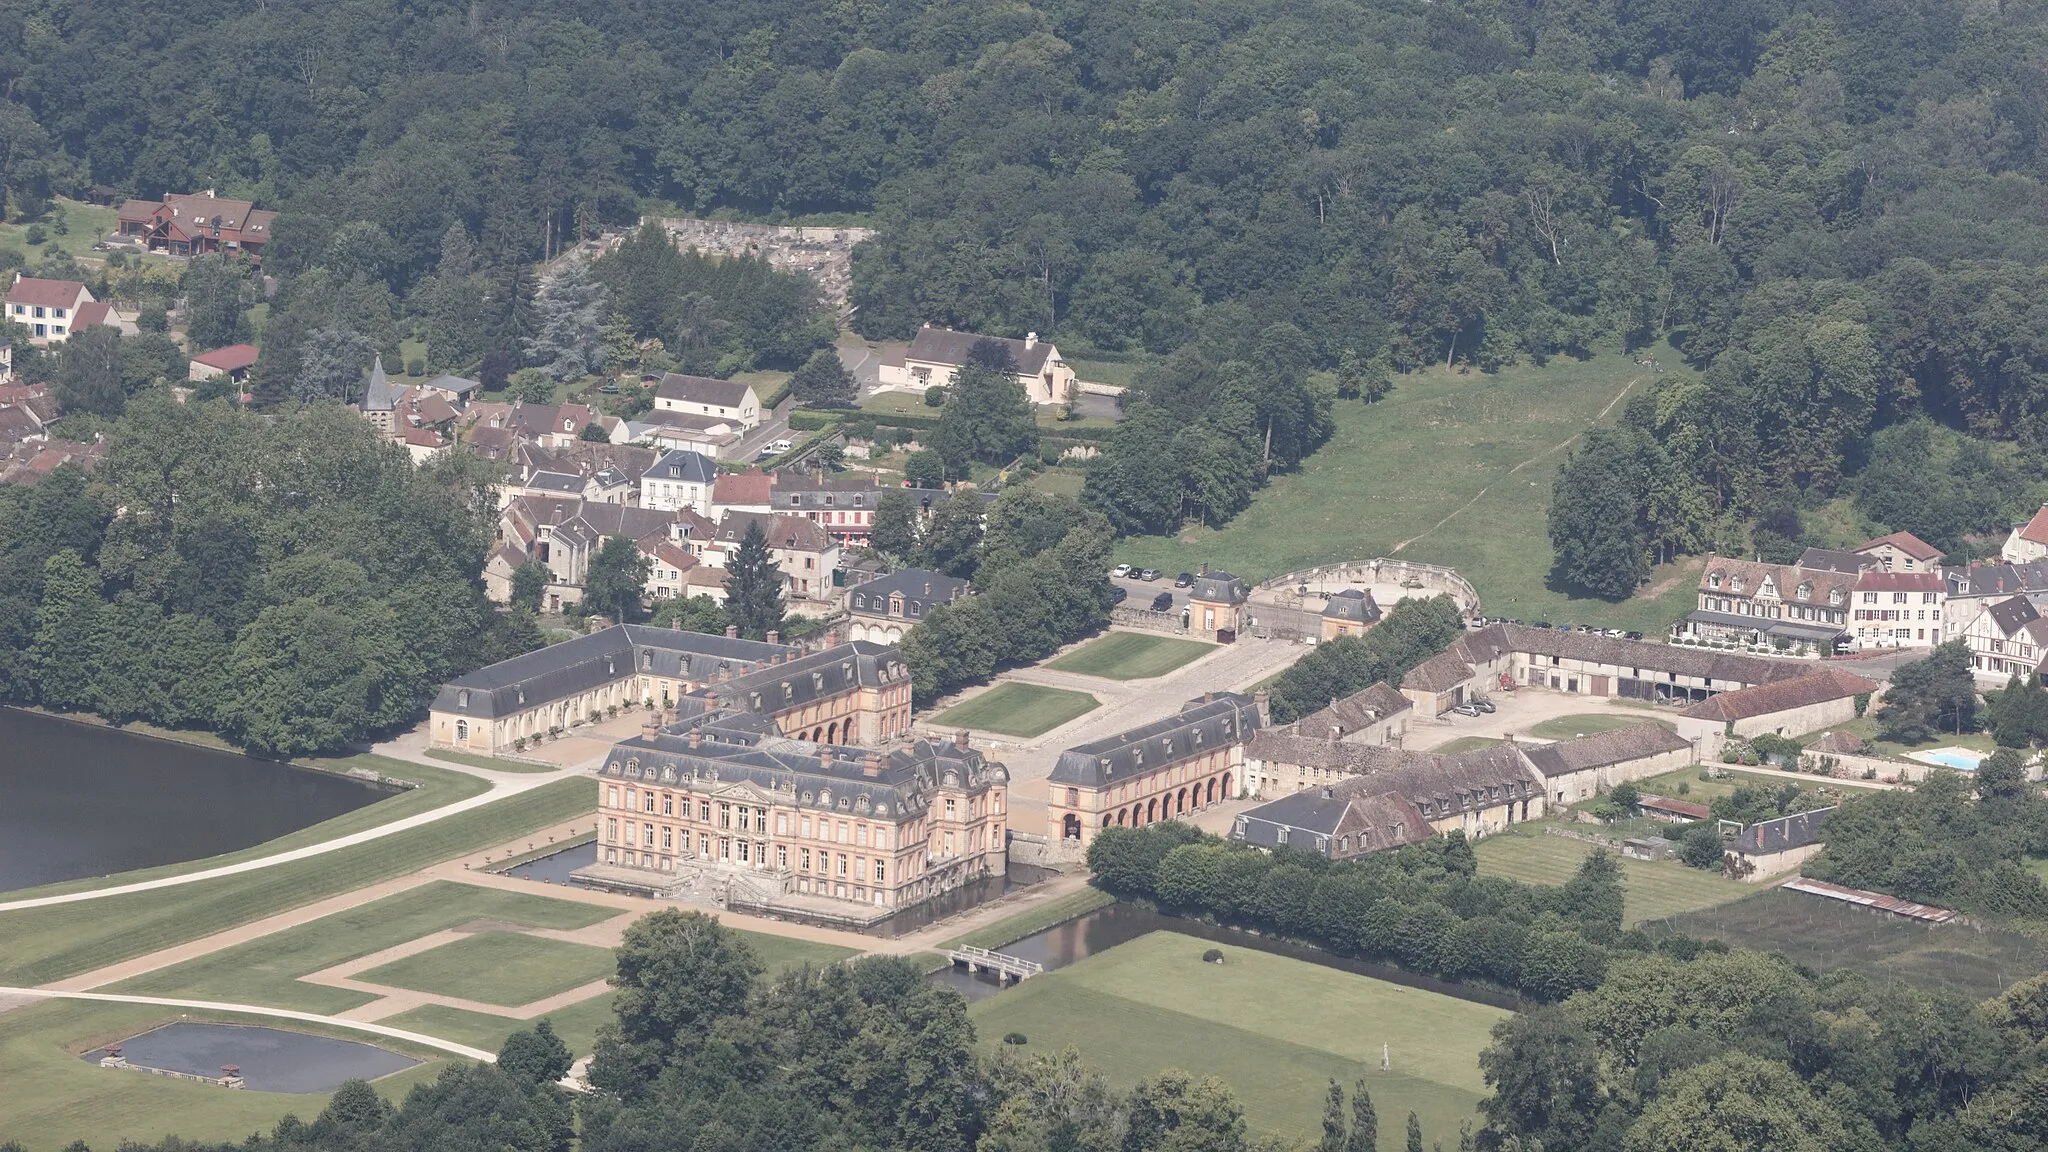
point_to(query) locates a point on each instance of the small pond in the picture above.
(1119, 923)
(270, 1059)
(78, 800)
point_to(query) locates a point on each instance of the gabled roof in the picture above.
(1783, 834)
(1440, 673)
(702, 390)
(1874, 580)
(460, 385)
(1353, 604)
(90, 313)
(1635, 742)
(1490, 643)
(2012, 615)
(1215, 721)
(229, 358)
(794, 533)
(1785, 579)
(1361, 709)
(1905, 542)
(561, 482)
(44, 293)
(1835, 560)
(680, 465)
(945, 346)
(749, 488)
(1996, 579)
(1764, 699)
(2036, 529)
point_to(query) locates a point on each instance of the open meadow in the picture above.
(1449, 469)
(1276, 1029)
(1017, 709)
(1132, 656)
(1651, 888)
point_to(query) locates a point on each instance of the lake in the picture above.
(78, 800)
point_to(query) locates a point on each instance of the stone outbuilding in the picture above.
(1216, 605)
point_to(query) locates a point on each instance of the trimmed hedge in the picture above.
(814, 420)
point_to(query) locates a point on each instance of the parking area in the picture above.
(1140, 593)
(1515, 713)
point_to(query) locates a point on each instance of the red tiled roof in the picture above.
(743, 488)
(1905, 542)
(226, 359)
(91, 314)
(45, 293)
(420, 437)
(2036, 529)
(1675, 807)
(1764, 699)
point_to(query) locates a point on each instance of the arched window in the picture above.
(462, 730)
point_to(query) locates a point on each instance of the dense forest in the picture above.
(1833, 209)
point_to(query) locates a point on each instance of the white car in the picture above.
(1120, 571)
(780, 446)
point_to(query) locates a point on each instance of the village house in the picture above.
(802, 551)
(936, 356)
(1970, 590)
(457, 390)
(1583, 767)
(1770, 848)
(883, 609)
(1377, 714)
(679, 480)
(843, 506)
(687, 431)
(709, 397)
(52, 310)
(2008, 639)
(1580, 663)
(1279, 761)
(1349, 613)
(668, 568)
(233, 362)
(724, 804)
(750, 491)
(196, 224)
(1899, 609)
(1821, 699)
(1902, 552)
(1156, 771)
(2027, 543)
(1779, 605)
(1480, 792)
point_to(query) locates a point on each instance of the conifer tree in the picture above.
(753, 586)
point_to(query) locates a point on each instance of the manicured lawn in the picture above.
(267, 971)
(1479, 450)
(1277, 1030)
(883, 405)
(577, 1024)
(1017, 709)
(782, 953)
(1060, 481)
(50, 943)
(1652, 888)
(508, 968)
(53, 1098)
(1035, 919)
(1117, 372)
(493, 763)
(1132, 656)
(1466, 744)
(1866, 727)
(1589, 724)
(85, 225)
(435, 787)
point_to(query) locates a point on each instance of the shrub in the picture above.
(934, 396)
(1014, 1039)
(36, 234)
(519, 745)
(1685, 787)
(1213, 956)
(416, 367)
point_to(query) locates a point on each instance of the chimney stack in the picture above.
(1263, 701)
(825, 756)
(1030, 341)
(652, 728)
(871, 766)
(732, 631)
(960, 739)
(774, 636)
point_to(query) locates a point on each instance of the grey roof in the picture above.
(1635, 742)
(1219, 587)
(1440, 673)
(702, 390)
(1279, 746)
(729, 750)
(460, 385)
(1352, 604)
(1783, 834)
(1641, 657)
(1790, 629)
(1997, 579)
(820, 675)
(562, 482)
(945, 346)
(2014, 614)
(586, 662)
(378, 395)
(693, 467)
(1316, 810)
(1835, 560)
(1216, 721)
(621, 520)
(1361, 709)
(1427, 786)
(921, 589)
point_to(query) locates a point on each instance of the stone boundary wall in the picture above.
(1851, 767)
(1038, 851)
(1148, 620)
(1433, 577)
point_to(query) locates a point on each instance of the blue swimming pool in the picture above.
(1960, 761)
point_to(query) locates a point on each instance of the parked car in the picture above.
(780, 446)
(1149, 574)
(1539, 624)
(1464, 709)
(1118, 594)
(1483, 704)
(1163, 602)
(1634, 635)
(1120, 571)
(1184, 580)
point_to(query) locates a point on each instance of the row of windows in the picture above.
(744, 816)
(745, 851)
(1901, 597)
(38, 311)
(1895, 614)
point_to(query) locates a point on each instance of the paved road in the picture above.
(503, 784)
(384, 1030)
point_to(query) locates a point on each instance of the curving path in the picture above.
(383, 1030)
(503, 784)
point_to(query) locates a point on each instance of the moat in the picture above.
(78, 800)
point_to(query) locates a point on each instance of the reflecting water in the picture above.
(77, 800)
(270, 1059)
(554, 868)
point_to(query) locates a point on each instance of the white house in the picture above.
(1898, 609)
(679, 480)
(1902, 552)
(704, 396)
(52, 310)
(937, 354)
(2009, 638)
(2028, 542)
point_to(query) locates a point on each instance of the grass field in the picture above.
(435, 787)
(1033, 920)
(1132, 656)
(1589, 724)
(85, 225)
(577, 1024)
(267, 971)
(493, 763)
(1017, 709)
(504, 968)
(45, 944)
(1825, 935)
(53, 1098)
(1456, 467)
(1652, 888)
(1276, 1029)
(1465, 744)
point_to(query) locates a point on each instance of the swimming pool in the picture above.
(1960, 759)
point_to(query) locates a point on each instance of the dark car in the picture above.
(1149, 574)
(1635, 635)
(1118, 595)
(1184, 580)
(1163, 602)
(1539, 624)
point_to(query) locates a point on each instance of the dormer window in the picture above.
(1834, 596)
(647, 661)
(1805, 591)
(462, 698)
(1735, 584)
(1714, 580)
